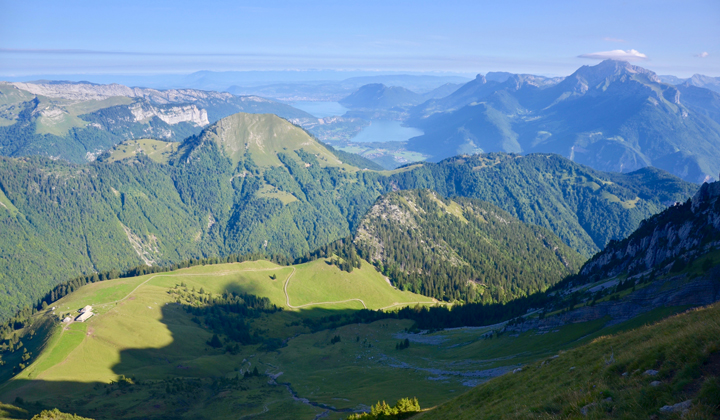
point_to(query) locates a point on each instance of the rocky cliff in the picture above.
(172, 115)
(683, 231)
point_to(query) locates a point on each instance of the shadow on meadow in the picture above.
(208, 369)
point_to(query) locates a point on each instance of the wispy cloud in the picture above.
(609, 39)
(702, 54)
(97, 52)
(626, 55)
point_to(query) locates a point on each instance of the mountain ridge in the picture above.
(612, 116)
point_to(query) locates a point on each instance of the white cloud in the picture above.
(702, 54)
(626, 55)
(607, 38)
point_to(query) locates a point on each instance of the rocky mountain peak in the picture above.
(610, 69)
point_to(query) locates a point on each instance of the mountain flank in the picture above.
(460, 249)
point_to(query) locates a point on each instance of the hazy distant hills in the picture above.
(613, 116)
(698, 80)
(379, 96)
(331, 90)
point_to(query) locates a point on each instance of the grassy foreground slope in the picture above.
(145, 355)
(140, 331)
(631, 375)
(139, 312)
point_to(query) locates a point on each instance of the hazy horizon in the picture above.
(459, 37)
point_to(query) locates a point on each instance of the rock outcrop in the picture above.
(171, 115)
(683, 231)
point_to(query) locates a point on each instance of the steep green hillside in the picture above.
(61, 220)
(262, 139)
(584, 207)
(667, 370)
(460, 249)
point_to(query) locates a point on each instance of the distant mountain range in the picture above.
(380, 96)
(613, 116)
(698, 80)
(423, 86)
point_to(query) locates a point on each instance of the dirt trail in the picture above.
(287, 297)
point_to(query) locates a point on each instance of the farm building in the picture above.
(86, 309)
(84, 316)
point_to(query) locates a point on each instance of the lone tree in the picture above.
(215, 342)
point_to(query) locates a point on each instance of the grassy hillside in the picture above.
(461, 248)
(609, 377)
(261, 137)
(147, 352)
(138, 320)
(157, 150)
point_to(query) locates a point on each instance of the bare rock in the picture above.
(676, 408)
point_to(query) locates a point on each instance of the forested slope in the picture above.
(257, 183)
(60, 220)
(463, 249)
(584, 207)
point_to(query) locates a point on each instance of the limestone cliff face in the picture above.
(173, 115)
(682, 231)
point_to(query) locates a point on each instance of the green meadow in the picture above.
(144, 349)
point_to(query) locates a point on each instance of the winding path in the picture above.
(285, 290)
(287, 297)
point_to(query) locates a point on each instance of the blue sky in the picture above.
(541, 37)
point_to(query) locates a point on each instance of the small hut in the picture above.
(84, 316)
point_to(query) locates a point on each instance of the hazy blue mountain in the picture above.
(699, 80)
(335, 90)
(613, 116)
(670, 79)
(379, 96)
(442, 91)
